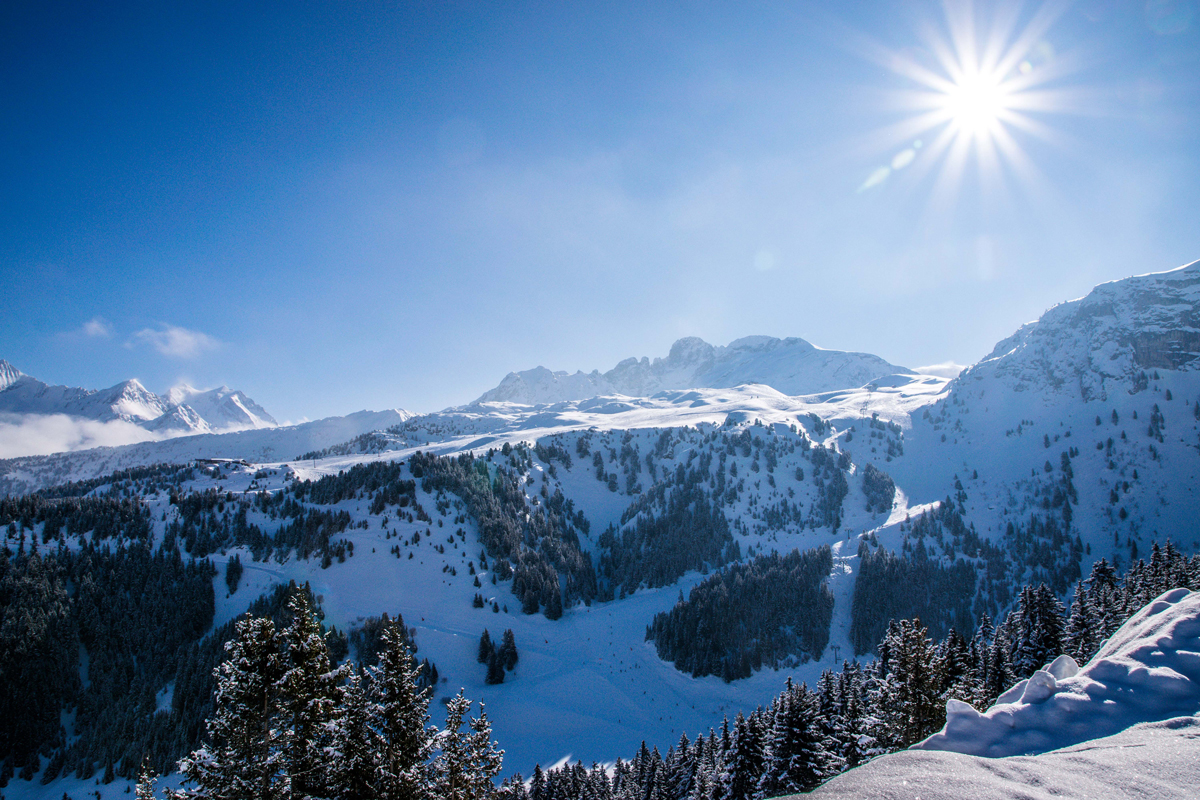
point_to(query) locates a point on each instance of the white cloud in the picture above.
(42, 434)
(171, 340)
(947, 369)
(97, 327)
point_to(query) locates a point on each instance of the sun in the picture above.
(977, 102)
(975, 92)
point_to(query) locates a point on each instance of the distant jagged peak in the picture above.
(182, 409)
(792, 366)
(221, 407)
(8, 375)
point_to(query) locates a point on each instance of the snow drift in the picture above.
(1152, 760)
(1149, 670)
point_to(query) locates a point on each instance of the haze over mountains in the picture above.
(791, 366)
(26, 402)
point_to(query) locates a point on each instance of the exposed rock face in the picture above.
(1101, 343)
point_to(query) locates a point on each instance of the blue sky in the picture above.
(335, 206)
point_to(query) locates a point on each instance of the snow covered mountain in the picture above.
(1053, 452)
(1089, 416)
(183, 410)
(1103, 343)
(222, 407)
(791, 366)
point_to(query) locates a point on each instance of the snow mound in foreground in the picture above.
(1156, 759)
(1148, 670)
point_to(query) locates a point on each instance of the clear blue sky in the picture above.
(335, 206)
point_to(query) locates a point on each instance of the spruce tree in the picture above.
(908, 699)
(495, 669)
(243, 762)
(308, 690)
(356, 744)
(1038, 630)
(468, 760)
(508, 650)
(1081, 637)
(801, 756)
(402, 720)
(486, 648)
(145, 780)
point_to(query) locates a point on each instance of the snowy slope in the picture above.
(1125, 726)
(483, 425)
(1111, 380)
(791, 366)
(1155, 760)
(23, 475)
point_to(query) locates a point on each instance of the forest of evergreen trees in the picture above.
(83, 629)
(807, 736)
(890, 586)
(764, 613)
(288, 722)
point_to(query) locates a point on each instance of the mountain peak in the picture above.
(8, 375)
(1105, 340)
(791, 366)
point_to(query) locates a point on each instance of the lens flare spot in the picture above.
(875, 178)
(764, 261)
(903, 158)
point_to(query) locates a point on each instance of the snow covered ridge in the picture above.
(1149, 670)
(791, 366)
(1104, 342)
(183, 409)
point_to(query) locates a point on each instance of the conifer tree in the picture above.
(486, 648)
(469, 760)
(908, 699)
(402, 720)
(307, 694)
(145, 781)
(1037, 630)
(495, 669)
(745, 759)
(801, 756)
(508, 650)
(1081, 636)
(356, 744)
(243, 761)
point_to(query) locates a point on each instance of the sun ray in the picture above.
(975, 93)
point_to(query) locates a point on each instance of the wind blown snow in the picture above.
(1149, 670)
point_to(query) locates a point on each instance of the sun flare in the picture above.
(975, 91)
(976, 102)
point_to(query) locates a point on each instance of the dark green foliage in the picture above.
(495, 669)
(675, 527)
(233, 573)
(508, 650)
(750, 615)
(879, 488)
(140, 480)
(536, 545)
(908, 700)
(891, 587)
(486, 648)
(38, 655)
